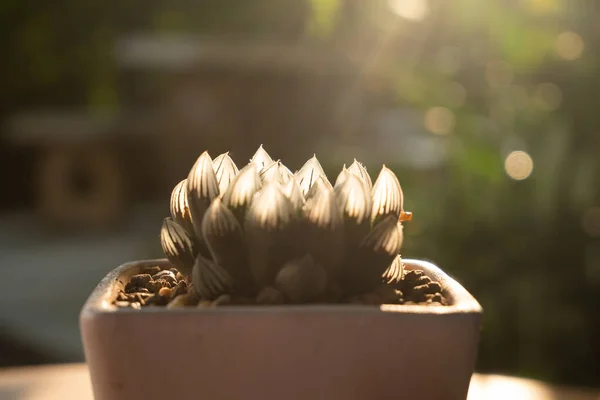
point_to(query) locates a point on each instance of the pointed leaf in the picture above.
(225, 171)
(241, 191)
(395, 271)
(385, 238)
(359, 170)
(354, 200)
(210, 280)
(202, 187)
(324, 232)
(367, 264)
(268, 232)
(276, 172)
(387, 196)
(322, 210)
(261, 159)
(180, 208)
(178, 246)
(225, 240)
(292, 191)
(309, 173)
(343, 175)
(320, 184)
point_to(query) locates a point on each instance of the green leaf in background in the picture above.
(171, 21)
(38, 42)
(323, 18)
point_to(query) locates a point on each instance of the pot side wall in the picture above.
(295, 352)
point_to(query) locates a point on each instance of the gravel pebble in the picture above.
(434, 287)
(167, 275)
(165, 292)
(412, 275)
(423, 280)
(157, 287)
(141, 280)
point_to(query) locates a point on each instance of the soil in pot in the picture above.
(156, 287)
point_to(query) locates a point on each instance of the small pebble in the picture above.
(151, 270)
(437, 297)
(140, 299)
(141, 280)
(155, 286)
(164, 292)
(434, 287)
(412, 275)
(418, 293)
(130, 288)
(423, 280)
(163, 283)
(167, 275)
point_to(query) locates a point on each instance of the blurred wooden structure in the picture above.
(178, 96)
(77, 178)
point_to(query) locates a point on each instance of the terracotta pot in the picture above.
(281, 352)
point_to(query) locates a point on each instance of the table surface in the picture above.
(71, 381)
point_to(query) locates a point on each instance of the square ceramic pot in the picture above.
(281, 352)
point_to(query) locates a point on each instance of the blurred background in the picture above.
(486, 111)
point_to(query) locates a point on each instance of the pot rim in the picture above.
(101, 299)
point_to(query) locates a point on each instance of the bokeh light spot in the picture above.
(548, 96)
(518, 165)
(439, 120)
(543, 6)
(590, 222)
(414, 10)
(499, 74)
(569, 46)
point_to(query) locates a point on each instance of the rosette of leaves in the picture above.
(266, 233)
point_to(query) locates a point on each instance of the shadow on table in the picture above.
(16, 352)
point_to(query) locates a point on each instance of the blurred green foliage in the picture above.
(503, 75)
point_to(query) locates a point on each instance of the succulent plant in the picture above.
(265, 232)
